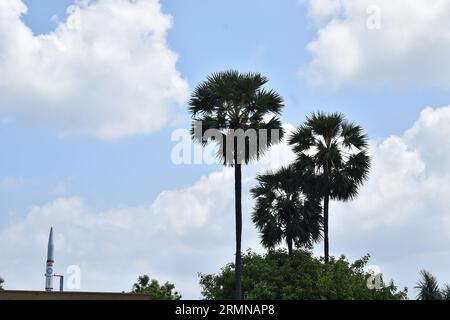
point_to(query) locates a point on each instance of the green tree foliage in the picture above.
(226, 107)
(1, 283)
(276, 276)
(332, 153)
(428, 288)
(284, 212)
(152, 287)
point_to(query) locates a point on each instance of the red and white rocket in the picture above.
(50, 256)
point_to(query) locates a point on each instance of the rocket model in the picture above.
(49, 271)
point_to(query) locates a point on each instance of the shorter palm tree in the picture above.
(284, 212)
(428, 287)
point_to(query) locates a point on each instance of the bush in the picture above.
(276, 276)
(145, 285)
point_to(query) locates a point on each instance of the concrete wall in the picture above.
(41, 295)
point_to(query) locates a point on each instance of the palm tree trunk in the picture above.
(290, 245)
(326, 202)
(238, 211)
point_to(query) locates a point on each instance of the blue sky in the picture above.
(385, 91)
(207, 37)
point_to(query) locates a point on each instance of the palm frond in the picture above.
(325, 125)
(428, 287)
(353, 136)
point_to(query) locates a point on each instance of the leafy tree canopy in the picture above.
(1, 283)
(276, 276)
(152, 287)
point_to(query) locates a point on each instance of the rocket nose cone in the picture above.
(50, 245)
(50, 237)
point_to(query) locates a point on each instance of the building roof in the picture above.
(42, 295)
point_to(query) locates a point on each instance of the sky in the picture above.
(92, 93)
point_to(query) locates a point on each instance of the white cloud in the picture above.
(411, 47)
(106, 71)
(389, 196)
(408, 180)
(401, 216)
(323, 8)
(181, 233)
(115, 246)
(191, 207)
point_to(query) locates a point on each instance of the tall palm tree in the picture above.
(225, 108)
(332, 154)
(428, 287)
(284, 212)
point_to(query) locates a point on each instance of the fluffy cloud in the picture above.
(401, 216)
(408, 181)
(191, 207)
(107, 71)
(410, 47)
(171, 239)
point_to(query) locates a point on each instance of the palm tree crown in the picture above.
(428, 287)
(336, 150)
(230, 101)
(283, 211)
